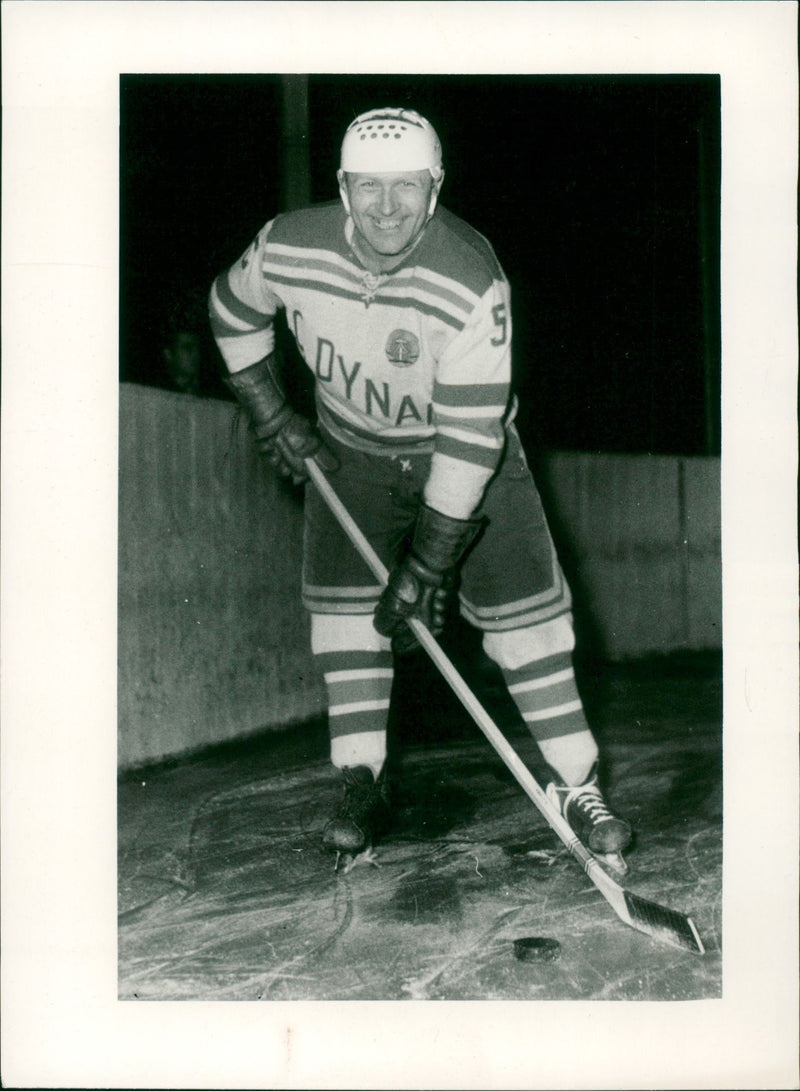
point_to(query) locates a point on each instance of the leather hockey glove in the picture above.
(423, 584)
(283, 436)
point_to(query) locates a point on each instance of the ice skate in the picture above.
(604, 833)
(359, 818)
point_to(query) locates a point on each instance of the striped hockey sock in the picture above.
(357, 666)
(536, 662)
(546, 694)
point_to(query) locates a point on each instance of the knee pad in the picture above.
(514, 648)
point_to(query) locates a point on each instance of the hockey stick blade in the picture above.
(659, 922)
(663, 924)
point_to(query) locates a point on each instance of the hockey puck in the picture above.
(537, 949)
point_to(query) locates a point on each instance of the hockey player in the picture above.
(401, 311)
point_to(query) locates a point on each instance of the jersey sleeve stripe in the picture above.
(224, 323)
(473, 413)
(224, 330)
(239, 352)
(475, 394)
(461, 451)
(493, 441)
(236, 307)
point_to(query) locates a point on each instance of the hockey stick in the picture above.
(663, 924)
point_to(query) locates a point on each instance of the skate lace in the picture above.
(589, 801)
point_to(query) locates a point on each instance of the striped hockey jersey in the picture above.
(410, 361)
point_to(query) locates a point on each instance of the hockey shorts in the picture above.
(510, 579)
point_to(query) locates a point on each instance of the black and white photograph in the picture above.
(307, 812)
(429, 650)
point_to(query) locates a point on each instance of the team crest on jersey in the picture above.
(402, 348)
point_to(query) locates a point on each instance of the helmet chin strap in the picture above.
(438, 181)
(437, 185)
(343, 191)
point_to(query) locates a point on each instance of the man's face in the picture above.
(389, 210)
(183, 358)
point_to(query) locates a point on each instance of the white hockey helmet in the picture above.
(391, 139)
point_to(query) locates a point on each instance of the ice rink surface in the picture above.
(226, 894)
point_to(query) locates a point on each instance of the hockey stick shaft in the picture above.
(620, 900)
(460, 687)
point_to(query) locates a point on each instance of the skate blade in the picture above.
(547, 857)
(354, 860)
(613, 862)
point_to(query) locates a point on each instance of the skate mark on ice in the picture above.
(153, 908)
(321, 948)
(703, 876)
(417, 988)
(707, 878)
(427, 898)
(612, 988)
(715, 925)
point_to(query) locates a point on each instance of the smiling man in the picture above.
(401, 311)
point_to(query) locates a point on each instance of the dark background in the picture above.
(599, 194)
